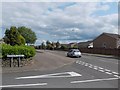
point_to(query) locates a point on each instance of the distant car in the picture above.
(74, 53)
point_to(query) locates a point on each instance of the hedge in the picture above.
(28, 51)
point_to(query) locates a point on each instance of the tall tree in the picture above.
(57, 44)
(48, 44)
(53, 45)
(13, 37)
(43, 45)
(28, 34)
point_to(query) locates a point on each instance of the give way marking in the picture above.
(55, 75)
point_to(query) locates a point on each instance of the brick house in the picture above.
(107, 40)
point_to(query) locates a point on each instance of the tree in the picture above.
(13, 37)
(43, 45)
(28, 34)
(53, 45)
(21, 40)
(6, 37)
(57, 45)
(48, 44)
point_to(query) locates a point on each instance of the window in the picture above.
(104, 45)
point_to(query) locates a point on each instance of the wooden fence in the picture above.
(103, 51)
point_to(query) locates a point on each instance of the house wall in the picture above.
(104, 41)
(118, 43)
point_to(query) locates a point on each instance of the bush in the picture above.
(28, 51)
(63, 47)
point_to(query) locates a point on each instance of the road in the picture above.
(85, 72)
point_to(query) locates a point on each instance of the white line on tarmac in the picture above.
(90, 65)
(24, 85)
(77, 61)
(55, 75)
(117, 76)
(108, 73)
(115, 73)
(86, 64)
(95, 68)
(94, 80)
(101, 70)
(107, 70)
(83, 63)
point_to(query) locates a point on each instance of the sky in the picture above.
(62, 21)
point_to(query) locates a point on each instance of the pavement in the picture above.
(100, 55)
(86, 72)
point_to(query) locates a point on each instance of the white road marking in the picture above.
(108, 73)
(24, 85)
(83, 63)
(90, 65)
(86, 64)
(94, 80)
(115, 72)
(101, 70)
(77, 61)
(107, 70)
(117, 76)
(80, 62)
(55, 75)
(95, 67)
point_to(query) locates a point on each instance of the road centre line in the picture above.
(86, 64)
(95, 68)
(115, 73)
(24, 85)
(108, 73)
(83, 63)
(107, 70)
(90, 65)
(77, 61)
(117, 76)
(101, 70)
(94, 80)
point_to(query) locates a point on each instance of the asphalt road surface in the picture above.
(88, 71)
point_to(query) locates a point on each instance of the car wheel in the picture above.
(67, 55)
(79, 56)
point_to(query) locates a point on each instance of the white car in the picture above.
(74, 53)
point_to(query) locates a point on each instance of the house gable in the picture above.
(105, 40)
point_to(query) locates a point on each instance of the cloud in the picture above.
(60, 21)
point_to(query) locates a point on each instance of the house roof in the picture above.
(116, 36)
(85, 43)
(72, 43)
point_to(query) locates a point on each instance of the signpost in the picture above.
(15, 56)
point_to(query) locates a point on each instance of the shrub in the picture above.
(63, 47)
(28, 51)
